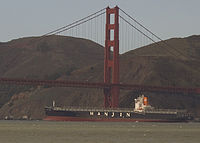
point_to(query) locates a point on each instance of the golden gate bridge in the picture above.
(116, 30)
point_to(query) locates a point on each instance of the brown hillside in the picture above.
(42, 58)
(48, 58)
(78, 59)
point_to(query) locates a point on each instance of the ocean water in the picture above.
(97, 132)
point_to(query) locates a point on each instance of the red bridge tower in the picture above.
(111, 58)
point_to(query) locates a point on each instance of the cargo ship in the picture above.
(142, 112)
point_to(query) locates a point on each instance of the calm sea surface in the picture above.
(95, 132)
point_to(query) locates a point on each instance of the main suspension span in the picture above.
(111, 58)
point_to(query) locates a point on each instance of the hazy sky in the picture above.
(166, 18)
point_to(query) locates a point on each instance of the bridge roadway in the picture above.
(77, 84)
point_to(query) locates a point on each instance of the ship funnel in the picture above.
(145, 101)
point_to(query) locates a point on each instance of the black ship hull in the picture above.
(115, 115)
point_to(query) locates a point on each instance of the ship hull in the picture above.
(112, 116)
(78, 119)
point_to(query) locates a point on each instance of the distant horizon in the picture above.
(167, 19)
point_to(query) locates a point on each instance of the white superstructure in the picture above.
(141, 104)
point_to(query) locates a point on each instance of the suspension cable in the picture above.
(140, 24)
(154, 34)
(73, 23)
(72, 26)
(143, 33)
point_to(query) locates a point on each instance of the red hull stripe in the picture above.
(60, 118)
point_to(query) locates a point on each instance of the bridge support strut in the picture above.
(111, 58)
